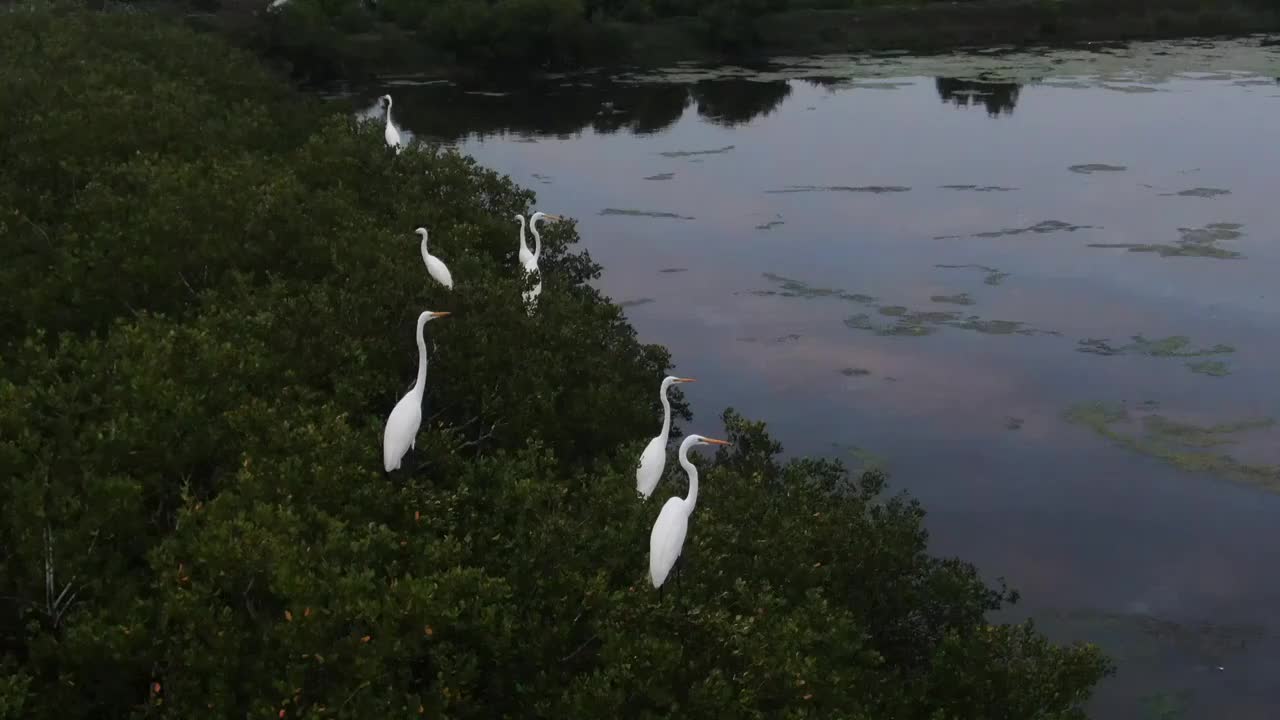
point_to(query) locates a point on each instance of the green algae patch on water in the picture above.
(789, 287)
(855, 372)
(862, 459)
(1186, 446)
(1041, 228)
(999, 327)
(1200, 192)
(1195, 242)
(1212, 368)
(634, 303)
(905, 326)
(995, 276)
(1172, 346)
(644, 213)
(1201, 437)
(661, 176)
(672, 270)
(769, 225)
(873, 189)
(695, 153)
(978, 188)
(1167, 705)
(918, 323)
(1090, 168)
(1013, 423)
(957, 299)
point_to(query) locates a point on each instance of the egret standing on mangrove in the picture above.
(435, 267)
(390, 133)
(654, 457)
(401, 432)
(529, 260)
(667, 539)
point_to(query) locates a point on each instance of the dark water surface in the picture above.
(1043, 289)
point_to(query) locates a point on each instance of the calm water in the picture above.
(784, 230)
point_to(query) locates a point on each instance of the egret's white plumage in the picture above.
(435, 266)
(401, 432)
(667, 539)
(529, 259)
(654, 458)
(526, 255)
(390, 133)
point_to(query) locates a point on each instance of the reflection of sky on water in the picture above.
(1068, 518)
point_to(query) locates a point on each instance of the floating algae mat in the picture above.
(695, 153)
(1041, 228)
(1090, 168)
(1212, 368)
(644, 213)
(957, 299)
(1195, 242)
(1184, 445)
(978, 188)
(918, 323)
(1178, 346)
(995, 276)
(905, 321)
(862, 459)
(789, 287)
(874, 189)
(1172, 346)
(1200, 192)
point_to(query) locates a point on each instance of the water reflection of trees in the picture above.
(449, 113)
(998, 97)
(733, 102)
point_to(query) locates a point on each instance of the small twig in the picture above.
(38, 229)
(183, 276)
(581, 647)
(352, 696)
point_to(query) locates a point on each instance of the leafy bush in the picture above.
(209, 312)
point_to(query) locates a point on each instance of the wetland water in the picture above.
(1040, 287)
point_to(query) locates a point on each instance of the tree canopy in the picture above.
(209, 291)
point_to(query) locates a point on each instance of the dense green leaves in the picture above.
(200, 342)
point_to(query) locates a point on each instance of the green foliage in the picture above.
(209, 314)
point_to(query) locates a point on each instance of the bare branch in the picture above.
(581, 647)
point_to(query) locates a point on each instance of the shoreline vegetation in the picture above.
(326, 40)
(206, 311)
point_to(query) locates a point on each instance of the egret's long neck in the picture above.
(692, 499)
(424, 246)
(523, 244)
(666, 412)
(420, 385)
(537, 241)
(388, 113)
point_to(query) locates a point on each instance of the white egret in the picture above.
(390, 133)
(667, 539)
(526, 255)
(435, 267)
(401, 432)
(529, 260)
(654, 457)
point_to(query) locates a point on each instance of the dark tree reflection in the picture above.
(449, 113)
(998, 97)
(828, 83)
(733, 102)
